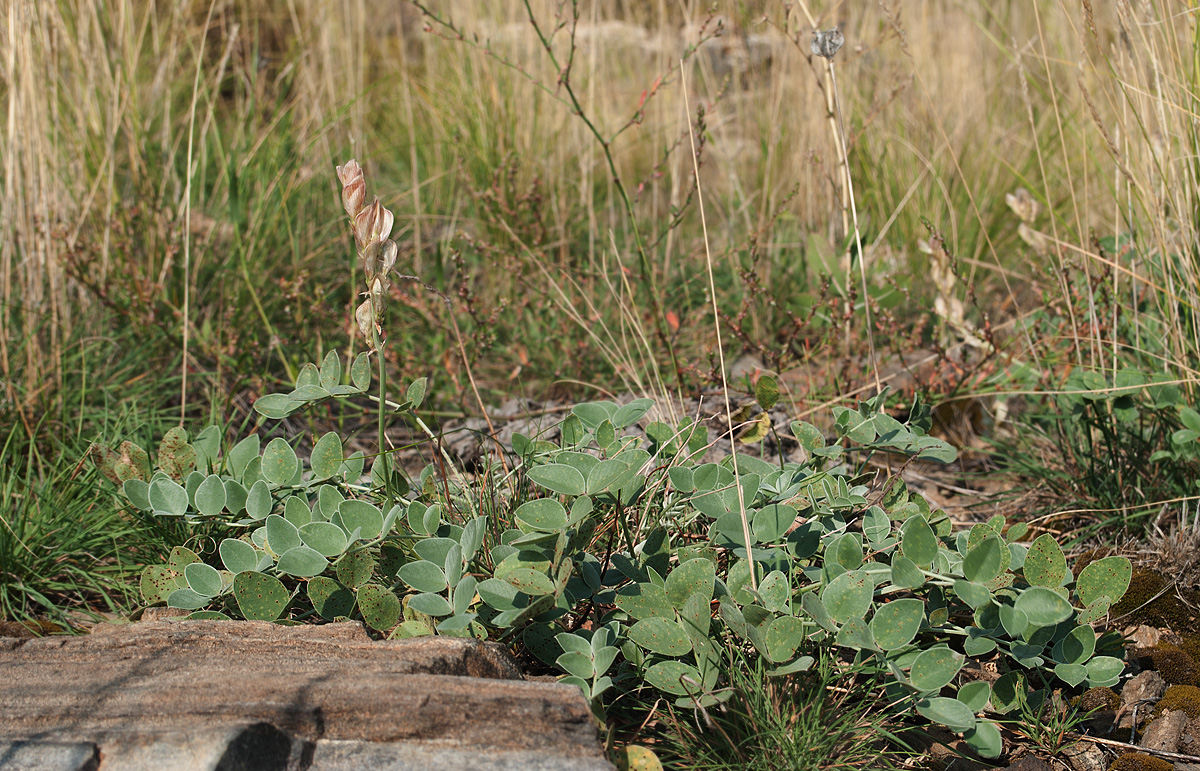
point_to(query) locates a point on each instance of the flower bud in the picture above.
(377, 298)
(364, 223)
(354, 188)
(350, 172)
(366, 323)
(353, 196)
(388, 256)
(372, 255)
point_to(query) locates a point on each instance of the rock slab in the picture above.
(255, 695)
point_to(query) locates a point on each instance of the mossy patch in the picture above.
(1170, 661)
(1190, 644)
(1180, 697)
(1098, 698)
(1136, 761)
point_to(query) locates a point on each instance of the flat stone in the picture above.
(353, 756)
(49, 756)
(1085, 757)
(1143, 687)
(216, 691)
(1164, 733)
(1142, 636)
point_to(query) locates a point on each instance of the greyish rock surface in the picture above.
(181, 695)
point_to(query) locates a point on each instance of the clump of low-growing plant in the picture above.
(637, 560)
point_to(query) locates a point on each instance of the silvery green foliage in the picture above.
(880, 574)
(602, 575)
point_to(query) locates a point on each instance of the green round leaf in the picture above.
(205, 580)
(817, 611)
(675, 677)
(772, 521)
(302, 561)
(238, 556)
(276, 406)
(360, 372)
(875, 525)
(138, 493)
(983, 563)
(235, 496)
(168, 497)
(856, 634)
(416, 393)
(1071, 674)
(1043, 607)
(577, 664)
(498, 594)
(279, 462)
(896, 623)
(849, 595)
(1076, 647)
(845, 550)
(1007, 692)
(424, 577)
(529, 581)
(951, 713)
(1045, 564)
(157, 583)
(934, 669)
(360, 515)
(604, 474)
(661, 636)
(281, 534)
(975, 595)
(430, 604)
(558, 478)
(775, 589)
(975, 695)
(1104, 578)
(1013, 621)
(325, 538)
(906, 574)
(326, 457)
(918, 541)
(181, 557)
(296, 511)
(258, 501)
(694, 575)
(542, 514)
(985, 739)
(329, 598)
(631, 413)
(355, 568)
(259, 596)
(379, 606)
(187, 599)
(643, 601)
(784, 636)
(978, 646)
(210, 496)
(1104, 670)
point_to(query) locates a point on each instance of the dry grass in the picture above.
(949, 106)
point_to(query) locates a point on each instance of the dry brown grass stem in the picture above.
(712, 294)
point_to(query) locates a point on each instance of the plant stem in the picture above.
(383, 458)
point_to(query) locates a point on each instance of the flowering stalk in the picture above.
(372, 224)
